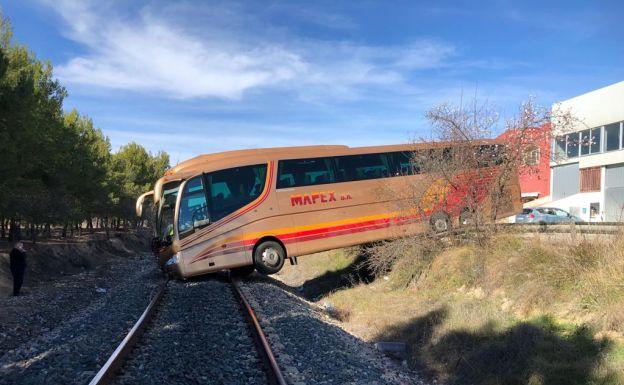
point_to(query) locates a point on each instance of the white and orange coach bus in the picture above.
(253, 209)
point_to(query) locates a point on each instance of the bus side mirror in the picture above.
(139, 203)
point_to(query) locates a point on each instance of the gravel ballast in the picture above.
(311, 349)
(63, 332)
(198, 336)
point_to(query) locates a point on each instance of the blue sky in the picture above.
(191, 78)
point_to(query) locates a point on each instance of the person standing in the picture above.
(18, 266)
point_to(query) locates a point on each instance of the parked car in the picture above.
(546, 215)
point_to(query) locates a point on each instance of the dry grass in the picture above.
(516, 311)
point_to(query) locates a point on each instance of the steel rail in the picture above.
(114, 362)
(273, 371)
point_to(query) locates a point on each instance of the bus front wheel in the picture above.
(269, 257)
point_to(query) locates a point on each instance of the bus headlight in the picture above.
(173, 260)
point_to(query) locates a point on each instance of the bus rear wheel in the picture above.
(466, 218)
(269, 257)
(440, 222)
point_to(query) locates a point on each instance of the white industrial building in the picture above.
(587, 166)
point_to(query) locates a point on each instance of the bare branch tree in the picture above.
(461, 176)
(465, 174)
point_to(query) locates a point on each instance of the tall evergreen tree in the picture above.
(57, 167)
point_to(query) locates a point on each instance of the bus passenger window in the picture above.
(489, 155)
(286, 180)
(304, 172)
(404, 163)
(233, 188)
(362, 167)
(193, 211)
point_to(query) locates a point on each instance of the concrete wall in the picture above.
(605, 158)
(578, 204)
(594, 109)
(614, 193)
(565, 181)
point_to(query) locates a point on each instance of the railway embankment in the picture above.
(81, 300)
(513, 309)
(311, 348)
(50, 259)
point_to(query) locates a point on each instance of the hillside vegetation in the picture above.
(513, 310)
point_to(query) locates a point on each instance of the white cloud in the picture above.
(152, 52)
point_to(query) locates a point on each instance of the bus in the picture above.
(249, 210)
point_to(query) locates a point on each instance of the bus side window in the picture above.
(489, 155)
(404, 163)
(305, 172)
(286, 180)
(233, 188)
(362, 167)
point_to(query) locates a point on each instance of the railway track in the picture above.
(115, 361)
(189, 332)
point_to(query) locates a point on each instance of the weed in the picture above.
(511, 311)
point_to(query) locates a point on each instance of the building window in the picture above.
(595, 140)
(612, 137)
(590, 141)
(572, 145)
(560, 148)
(594, 210)
(585, 141)
(590, 179)
(532, 156)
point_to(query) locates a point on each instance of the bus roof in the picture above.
(204, 162)
(220, 160)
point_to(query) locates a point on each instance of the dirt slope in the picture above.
(50, 259)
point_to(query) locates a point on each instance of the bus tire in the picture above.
(465, 218)
(243, 271)
(269, 257)
(440, 222)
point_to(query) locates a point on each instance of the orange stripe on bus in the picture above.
(319, 232)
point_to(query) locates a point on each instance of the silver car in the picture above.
(546, 215)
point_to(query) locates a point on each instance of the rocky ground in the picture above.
(61, 332)
(198, 336)
(311, 349)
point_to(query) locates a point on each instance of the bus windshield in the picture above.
(193, 209)
(164, 222)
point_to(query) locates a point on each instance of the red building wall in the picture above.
(534, 178)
